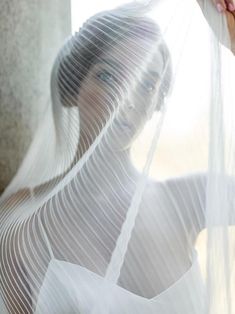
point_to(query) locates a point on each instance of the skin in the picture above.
(223, 5)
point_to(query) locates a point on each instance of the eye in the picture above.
(105, 76)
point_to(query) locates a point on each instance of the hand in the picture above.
(226, 7)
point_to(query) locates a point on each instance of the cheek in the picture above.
(103, 94)
(95, 105)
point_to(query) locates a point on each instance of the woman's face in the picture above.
(124, 82)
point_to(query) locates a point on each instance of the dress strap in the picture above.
(118, 256)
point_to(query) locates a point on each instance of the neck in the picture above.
(106, 154)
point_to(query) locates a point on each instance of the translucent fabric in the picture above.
(133, 159)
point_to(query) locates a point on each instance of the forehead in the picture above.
(132, 54)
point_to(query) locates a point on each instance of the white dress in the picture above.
(70, 288)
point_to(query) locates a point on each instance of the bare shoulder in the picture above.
(181, 198)
(181, 184)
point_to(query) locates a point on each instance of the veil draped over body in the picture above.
(124, 202)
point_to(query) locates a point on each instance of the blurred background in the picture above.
(31, 33)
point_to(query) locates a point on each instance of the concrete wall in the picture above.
(31, 32)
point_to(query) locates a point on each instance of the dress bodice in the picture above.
(70, 289)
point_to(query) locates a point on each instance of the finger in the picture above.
(231, 27)
(230, 5)
(230, 17)
(221, 5)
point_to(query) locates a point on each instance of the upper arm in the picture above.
(188, 195)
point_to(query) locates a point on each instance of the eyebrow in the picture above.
(118, 65)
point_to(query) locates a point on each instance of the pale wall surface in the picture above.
(31, 33)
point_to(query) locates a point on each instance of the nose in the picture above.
(137, 111)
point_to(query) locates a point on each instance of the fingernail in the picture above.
(220, 8)
(231, 7)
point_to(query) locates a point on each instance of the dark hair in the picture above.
(98, 35)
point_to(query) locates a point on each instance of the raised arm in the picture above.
(188, 197)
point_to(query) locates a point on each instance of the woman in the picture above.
(64, 252)
(117, 71)
(95, 71)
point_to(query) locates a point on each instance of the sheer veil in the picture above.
(124, 202)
